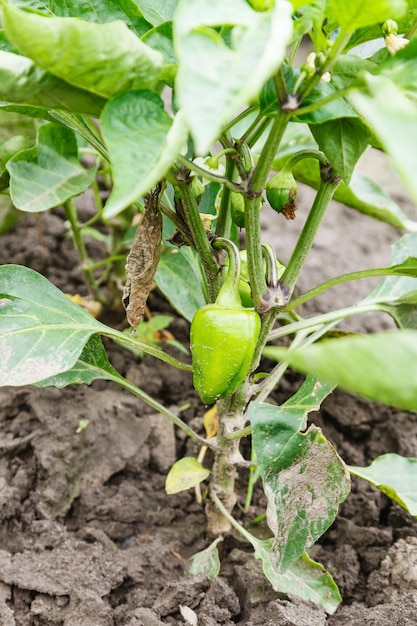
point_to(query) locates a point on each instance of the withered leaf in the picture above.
(143, 259)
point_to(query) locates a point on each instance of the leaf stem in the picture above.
(333, 316)
(139, 393)
(71, 213)
(205, 173)
(253, 207)
(344, 278)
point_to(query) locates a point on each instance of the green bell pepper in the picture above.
(223, 336)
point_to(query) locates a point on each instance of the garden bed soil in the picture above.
(88, 536)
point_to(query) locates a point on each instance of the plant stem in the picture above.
(205, 173)
(227, 457)
(333, 316)
(71, 213)
(200, 239)
(305, 242)
(253, 207)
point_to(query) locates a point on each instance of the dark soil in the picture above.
(88, 536)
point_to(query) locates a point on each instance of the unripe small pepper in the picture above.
(237, 205)
(223, 337)
(281, 192)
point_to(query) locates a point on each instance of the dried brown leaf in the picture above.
(143, 259)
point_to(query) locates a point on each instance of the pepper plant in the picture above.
(195, 113)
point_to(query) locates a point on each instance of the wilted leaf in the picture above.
(143, 259)
(304, 480)
(205, 562)
(184, 474)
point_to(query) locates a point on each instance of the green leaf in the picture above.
(7, 150)
(160, 39)
(103, 58)
(143, 142)
(22, 82)
(343, 141)
(396, 289)
(214, 80)
(42, 332)
(157, 11)
(305, 578)
(382, 366)
(99, 11)
(347, 70)
(91, 365)
(395, 476)
(393, 118)
(50, 174)
(206, 562)
(333, 110)
(357, 14)
(184, 474)
(179, 278)
(304, 479)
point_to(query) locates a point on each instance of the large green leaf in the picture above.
(99, 11)
(394, 475)
(368, 33)
(91, 365)
(103, 58)
(215, 80)
(143, 142)
(50, 174)
(343, 141)
(179, 278)
(304, 479)
(393, 118)
(43, 333)
(381, 366)
(22, 82)
(356, 13)
(157, 11)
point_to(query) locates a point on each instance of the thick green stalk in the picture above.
(227, 457)
(253, 208)
(305, 242)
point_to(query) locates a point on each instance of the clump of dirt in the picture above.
(88, 536)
